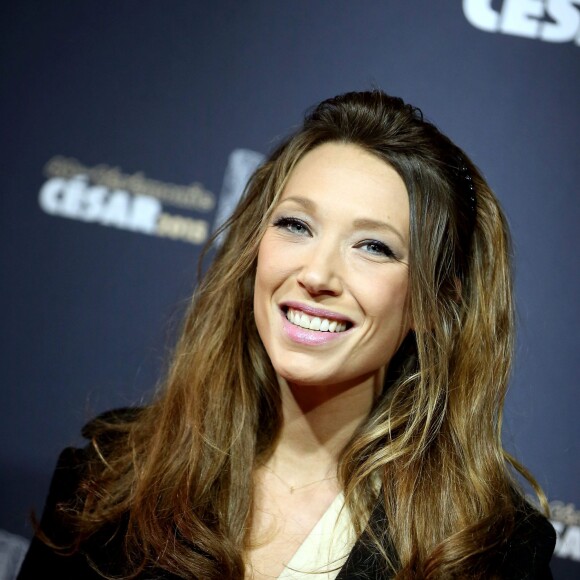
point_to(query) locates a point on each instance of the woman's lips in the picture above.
(314, 311)
(307, 336)
(317, 323)
(312, 326)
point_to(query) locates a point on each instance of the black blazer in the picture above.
(527, 554)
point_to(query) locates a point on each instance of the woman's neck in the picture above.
(317, 424)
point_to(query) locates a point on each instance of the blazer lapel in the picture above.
(364, 562)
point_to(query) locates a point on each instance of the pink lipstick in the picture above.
(315, 311)
(312, 337)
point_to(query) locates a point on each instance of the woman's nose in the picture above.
(321, 272)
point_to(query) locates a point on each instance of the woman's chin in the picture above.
(302, 380)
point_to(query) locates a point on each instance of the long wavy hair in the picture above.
(179, 472)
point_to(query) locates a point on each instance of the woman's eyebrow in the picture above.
(303, 201)
(370, 224)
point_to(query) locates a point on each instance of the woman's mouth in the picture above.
(309, 322)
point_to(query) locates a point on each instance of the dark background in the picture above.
(170, 89)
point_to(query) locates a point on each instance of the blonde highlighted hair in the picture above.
(179, 472)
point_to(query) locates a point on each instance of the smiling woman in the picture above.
(324, 260)
(333, 408)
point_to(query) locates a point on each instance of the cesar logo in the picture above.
(105, 196)
(76, 199)
(547, 20)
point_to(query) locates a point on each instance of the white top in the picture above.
(326, 548)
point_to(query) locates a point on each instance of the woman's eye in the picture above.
(293, 225)
(376, 248)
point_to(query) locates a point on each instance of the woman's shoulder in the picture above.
(101, 432)
(525, 554)
(106, 434)
(72, 466)
(531, 545)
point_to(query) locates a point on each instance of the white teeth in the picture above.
(315, 323)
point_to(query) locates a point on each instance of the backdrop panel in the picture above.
(130, 129)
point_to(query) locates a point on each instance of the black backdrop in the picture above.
(129, 127)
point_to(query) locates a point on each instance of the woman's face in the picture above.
(332, 274)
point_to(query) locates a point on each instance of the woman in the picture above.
(333, 408)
